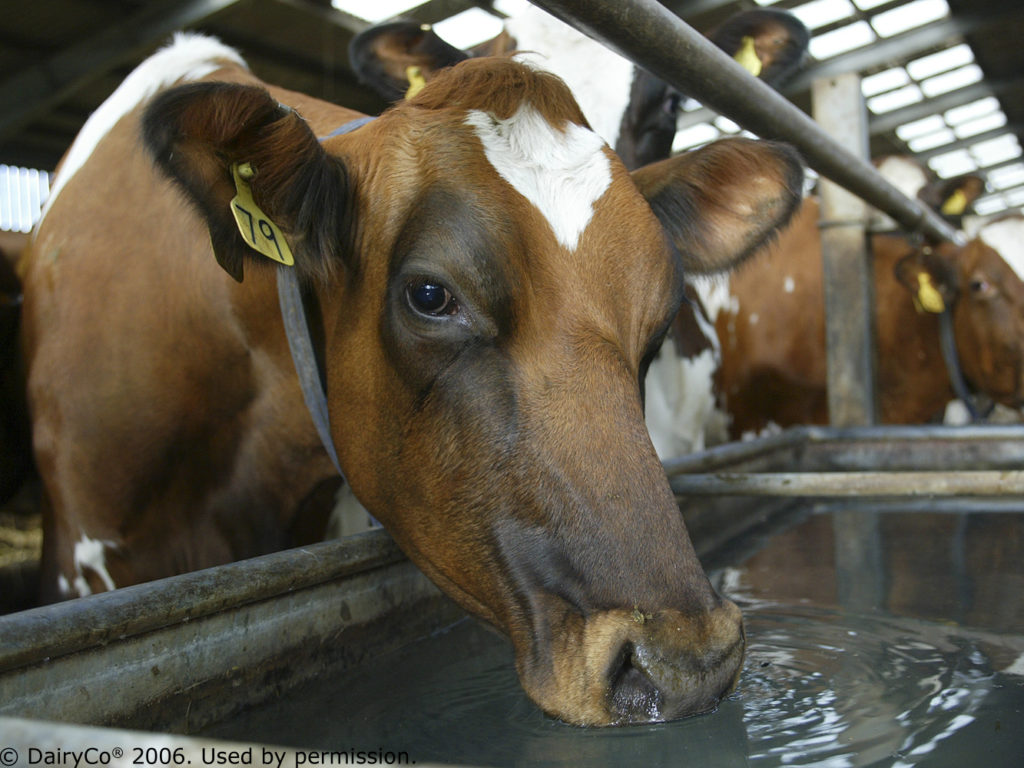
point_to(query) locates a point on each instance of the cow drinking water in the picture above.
(485, 283)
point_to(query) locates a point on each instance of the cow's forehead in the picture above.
(562, 172)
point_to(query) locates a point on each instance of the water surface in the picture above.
(892, 639)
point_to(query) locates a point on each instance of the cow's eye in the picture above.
(981, 288)
(432, 299)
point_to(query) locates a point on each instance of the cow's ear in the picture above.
(398, 57)
(952, 198)
(256, 173)
(931, 278)
(771, 44)
(722, 202)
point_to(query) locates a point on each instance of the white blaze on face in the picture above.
(562, 173)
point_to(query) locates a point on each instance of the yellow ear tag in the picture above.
(416, 81)
(955, 204)
(258, 231)
(747, 56)
(928, 295)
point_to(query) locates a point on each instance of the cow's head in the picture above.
(493, 283)
(985, 293)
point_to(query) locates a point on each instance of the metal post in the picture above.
(847, 272)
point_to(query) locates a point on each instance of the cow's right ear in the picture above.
(398, 56)
(721, 203)
(256, 173)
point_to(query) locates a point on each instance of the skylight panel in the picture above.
(694, 136)
(725, 125)
(933, 64)
(902, 97)
(958, 78)
(1015, 196)
(872, 85)
(466, 29)
(511, 7)
(971, 110)
(819, 13)
(920, 127)
(908, 16)
(954, 163)
(841, 40)
(931, 140)
(374, 10)
(997, 150)
(867, 5)
(1006, 177)
(986, 206)
(989, 122)
(766, 2)
(22, 193)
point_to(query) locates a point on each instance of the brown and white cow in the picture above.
(489, 282)
(772, 329)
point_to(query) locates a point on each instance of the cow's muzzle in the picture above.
(625, 667)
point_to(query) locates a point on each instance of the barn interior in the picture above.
(939, 80)
(942, 80)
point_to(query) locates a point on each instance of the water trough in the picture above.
(208, 653)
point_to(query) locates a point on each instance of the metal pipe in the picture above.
(898, 484)
(659, 41)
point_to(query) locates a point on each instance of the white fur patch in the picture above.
(188, 57)
(908, 177)
(89, 555)
(789, 285)
(563, 173)
(1007, 237)
(679, 402)
(599, 78)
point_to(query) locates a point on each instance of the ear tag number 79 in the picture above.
(258, 231)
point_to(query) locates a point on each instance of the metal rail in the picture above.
(859, 484)
(659, 41)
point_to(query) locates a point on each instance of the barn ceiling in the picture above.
(59, 59)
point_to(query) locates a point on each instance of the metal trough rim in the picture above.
(709, 474)
(51, 631)
(859, 484)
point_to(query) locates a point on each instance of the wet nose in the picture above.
(675, 665)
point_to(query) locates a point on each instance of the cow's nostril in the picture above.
(634, 696)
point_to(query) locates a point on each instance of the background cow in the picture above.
(485, 283)
(772, 329)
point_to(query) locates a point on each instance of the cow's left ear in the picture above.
(722, 202)
(398, 57)
(256, 173)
